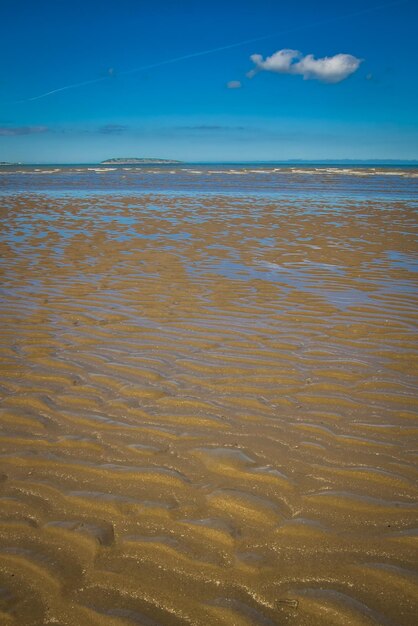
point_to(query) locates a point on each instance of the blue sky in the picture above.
(184, 109)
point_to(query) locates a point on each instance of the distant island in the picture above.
(131, 161)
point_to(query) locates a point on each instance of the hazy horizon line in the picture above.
(221, 162)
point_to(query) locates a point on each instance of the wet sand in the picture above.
(208, 412)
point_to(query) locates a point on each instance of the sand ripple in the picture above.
(208, 412)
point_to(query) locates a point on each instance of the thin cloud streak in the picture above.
(14, 131)
(206, 52)
(210, 127)
(113, 129)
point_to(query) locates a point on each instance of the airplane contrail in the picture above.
(73, 86)
(209, 51)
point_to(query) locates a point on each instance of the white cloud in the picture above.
(328, 69)
(281, 61)
(234, 84)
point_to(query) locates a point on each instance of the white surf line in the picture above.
(206, 52)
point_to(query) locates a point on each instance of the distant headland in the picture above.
(134, 161)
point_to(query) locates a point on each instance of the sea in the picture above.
(280, 179)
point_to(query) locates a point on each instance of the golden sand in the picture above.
(208, 413)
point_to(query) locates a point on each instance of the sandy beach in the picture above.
(208, 411)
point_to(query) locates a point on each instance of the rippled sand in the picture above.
(208, 412)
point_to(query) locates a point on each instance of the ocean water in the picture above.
(208, 394)
(300, 180)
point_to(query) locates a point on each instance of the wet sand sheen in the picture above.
(208, 412)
